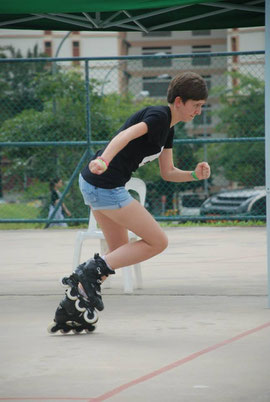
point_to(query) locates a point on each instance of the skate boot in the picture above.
(69, 318)
(89, 274)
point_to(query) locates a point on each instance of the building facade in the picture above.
(62, 43)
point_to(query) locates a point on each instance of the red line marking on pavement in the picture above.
(59, 398)
(178, 363)
(149, 376)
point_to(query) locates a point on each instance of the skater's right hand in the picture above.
(97, 166)
(203, 170)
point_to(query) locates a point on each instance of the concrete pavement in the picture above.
(198, 331)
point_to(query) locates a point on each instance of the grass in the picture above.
(19, 211)
(222, 223)
(24, 211)
(29, 211)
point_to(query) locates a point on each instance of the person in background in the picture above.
(55, 186)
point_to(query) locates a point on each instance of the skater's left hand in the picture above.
(97, 166)
(203, 170)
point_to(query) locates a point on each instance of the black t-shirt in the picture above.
(54, 197)
(138, 151)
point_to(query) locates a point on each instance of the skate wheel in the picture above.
(65, 331)
(90, 316)
(89, 330)
(77, 330)
(79, 307)
(52, 328)
(71, 294)
(64, 282)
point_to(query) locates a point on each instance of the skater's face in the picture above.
(189, 109)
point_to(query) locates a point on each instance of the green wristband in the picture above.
(193, 174)
(103, 163)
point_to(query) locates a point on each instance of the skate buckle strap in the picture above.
(99, 270)
(104, 269)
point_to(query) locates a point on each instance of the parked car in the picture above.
(248, 201)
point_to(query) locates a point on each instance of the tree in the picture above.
(62, 118)
(65, 123)
(242, 115)
(17, 87)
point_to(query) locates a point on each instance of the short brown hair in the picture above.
(187, 85)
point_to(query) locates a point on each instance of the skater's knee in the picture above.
(165, 241)
(161, 243)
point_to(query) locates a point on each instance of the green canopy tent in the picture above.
(147, 16)
(139, 15)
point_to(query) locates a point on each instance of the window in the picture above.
(76, 48)
(157, 33)
(201, 60)
(158, 62)
(201, 32)
(48, 48)
(76, 51)
(156, 86)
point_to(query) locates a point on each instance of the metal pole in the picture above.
(54, 65)
(1, 181)
(58, 50)
(105, 79)
(267, 134)
(205, 182)
(88, 107)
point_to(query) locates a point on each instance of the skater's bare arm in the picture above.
(97, 166)
(170, 173)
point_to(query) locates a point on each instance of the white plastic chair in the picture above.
(93, 232)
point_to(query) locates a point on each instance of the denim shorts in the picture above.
(104, 198)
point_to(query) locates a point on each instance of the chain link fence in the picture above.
(56, 112)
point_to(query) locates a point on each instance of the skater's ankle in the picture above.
(106, 262)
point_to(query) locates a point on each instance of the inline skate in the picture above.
(69, 318)
(77, 311)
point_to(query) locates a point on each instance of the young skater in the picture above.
(145, 136)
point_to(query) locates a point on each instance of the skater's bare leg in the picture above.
(115, 234)
(114, 224)
(136, 218)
